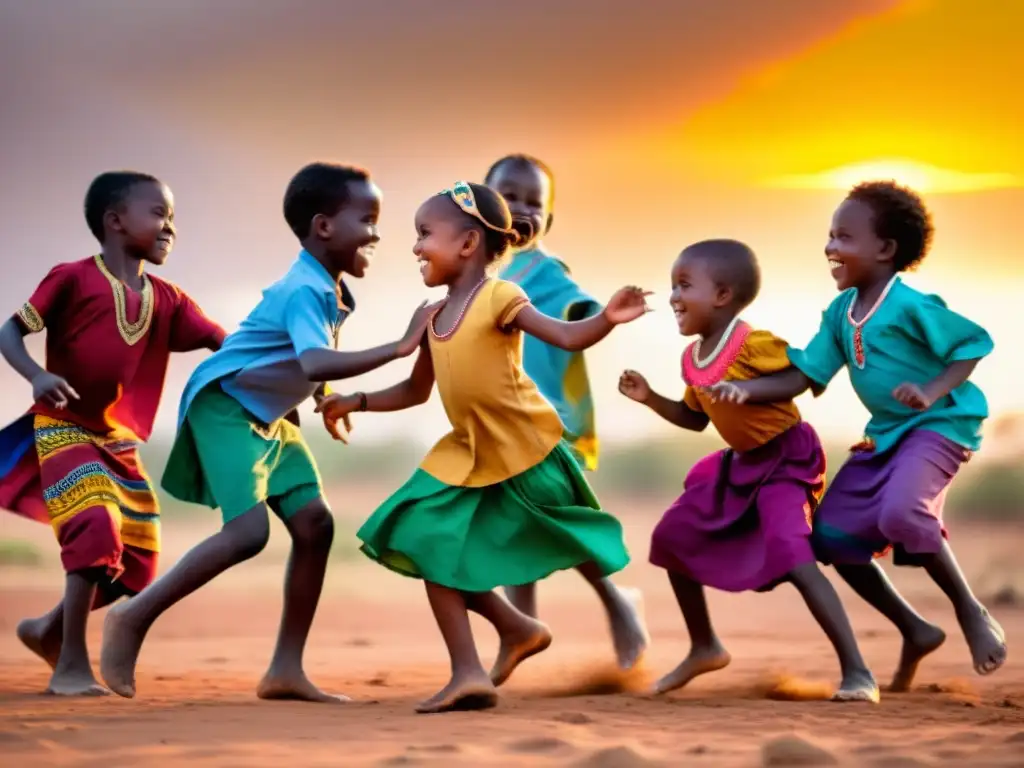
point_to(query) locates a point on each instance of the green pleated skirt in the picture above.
(517, 531)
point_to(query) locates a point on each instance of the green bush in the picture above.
(18, 553)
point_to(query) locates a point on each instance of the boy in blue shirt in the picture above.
(239, 447)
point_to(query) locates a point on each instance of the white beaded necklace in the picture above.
(859, 358)
(718, 348)
(458, 320)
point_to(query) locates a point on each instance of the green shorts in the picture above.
(224, 457)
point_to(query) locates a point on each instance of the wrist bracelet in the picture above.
(362, 401)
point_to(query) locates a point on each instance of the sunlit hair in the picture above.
(900, 215)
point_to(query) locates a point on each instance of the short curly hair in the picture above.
(318, 188)
(110, 190)
(900, 216)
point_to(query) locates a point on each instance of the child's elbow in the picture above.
(420, 394)
(310, 365)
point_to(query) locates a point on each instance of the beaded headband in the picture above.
(462, 195)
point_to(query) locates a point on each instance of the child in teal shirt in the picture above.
(909, 359)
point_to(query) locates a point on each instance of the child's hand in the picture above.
(626, 305)
(335, 407)
(52, 390)
(913, 396)
(634, 386)
(414, 333)
(726, 392)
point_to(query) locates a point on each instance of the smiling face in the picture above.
(350, 235)
(145, 222)
(527, 191)
(857, 257)
(696, 296)
(444, 243)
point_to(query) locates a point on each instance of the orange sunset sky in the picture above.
(666, 121)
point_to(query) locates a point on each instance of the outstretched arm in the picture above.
(677, 412)
(572, 336)
(778, 387)
(413, 391)
(625, 306)
(321, 364)
(634, 386)
(330, 365)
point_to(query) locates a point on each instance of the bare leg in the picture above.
(73, 676)
(920, 637)
(524, 598)
(984, 635)
(127, 623)
(707, 654)
(858, 683)
(45, 635)
(470, 686)
(520, 636)
(312, 532)
(622, 606)
(624, 618)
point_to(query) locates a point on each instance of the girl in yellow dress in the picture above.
(499, 500)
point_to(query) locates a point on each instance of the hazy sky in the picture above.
(667, 121)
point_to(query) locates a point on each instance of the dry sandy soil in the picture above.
(374, 640)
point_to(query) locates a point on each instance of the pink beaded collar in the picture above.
(704, 373)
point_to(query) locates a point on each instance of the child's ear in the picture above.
(321, 227)
(470, 242)
(723, 296)
(112, 220)
(888, 252)
(550, 221)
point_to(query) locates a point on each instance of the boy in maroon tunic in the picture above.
(72, 460)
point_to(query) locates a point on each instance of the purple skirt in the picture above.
(744, 519)
(891, 500)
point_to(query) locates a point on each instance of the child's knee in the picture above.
(312, 526)
(893, 517)
(249, 532)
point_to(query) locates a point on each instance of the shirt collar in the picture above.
(346, 301)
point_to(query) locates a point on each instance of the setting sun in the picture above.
(920, 176)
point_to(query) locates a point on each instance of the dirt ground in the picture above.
(375, 641)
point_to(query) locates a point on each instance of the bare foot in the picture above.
(987, 641)
(924, 640)
(859, 685)
(462, 693)
(517, 648)
(699, 662)
(38, 637)
(77, 681)
(120, 653)
(629, 634)
(294, 687)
